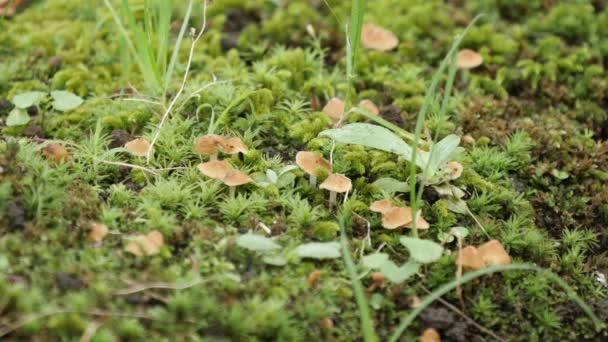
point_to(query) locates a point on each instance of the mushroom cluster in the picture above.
(488, 254)
(314, 165)
(394, 217)
(210, 145)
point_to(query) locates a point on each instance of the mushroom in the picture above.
(493, 253)
(149, 244)
(381, 206)
(430, 335)
(397, 217)
(369, 106)
(334, 109)
(97, 232)
(470, 259)
(55, 153)
(420, 222)
(336, 183)
(377, 38)
(467, 59)
(207, 145)
(216, 169)
(455, 170)
(138, 147)
(311, 163)
(235, 178)
(233, 146)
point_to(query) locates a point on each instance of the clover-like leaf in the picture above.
(423, 251)
(17, 117)
(28, 99)
(257, 243)
(319, 250)
(65, 100)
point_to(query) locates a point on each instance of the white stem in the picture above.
(332, 198)
(232, 191)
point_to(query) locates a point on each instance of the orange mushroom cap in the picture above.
(207, 144)
(149, 244)
(334, 108)
(470, 258)
(430, 335)
(97, 232)
(381, 206)
(421, 223)
(233, 146)
(236, 178)
(468, 59)
(377, 38)
(311, 163)
(216, 169)
(455, 169)
(493, 253)
(337, 183)
(55, 153)
(138, 147)
(397, 217)
(369, 106)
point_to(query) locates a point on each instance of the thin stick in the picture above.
(158, 285)
(181, 89)
(145, 169)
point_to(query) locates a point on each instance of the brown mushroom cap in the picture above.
(381, 206)
(311, 163)
(369, 106)
(55, 153)
(455, 170)
(377, 38)
(236, 178)
(138, 147)
(216, 169)
(468, 59)
(233, 146)
(207, 144)
(337, 183)
(397, 217)
(421, 223)
(430, 335)
(97, 232)
(149, 244)
(493, 253)
(334, 109)
(470, 258)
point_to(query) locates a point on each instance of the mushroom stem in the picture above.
(313, 181)
(464, 75)
(332, 198)
(232, 191)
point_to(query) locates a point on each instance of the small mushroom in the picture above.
(207, 145)
(470, 259)
(55, 153)
(336, 183)
(421, 223)
(381, 206)
(493, 253)
(233, 146)
(369, 106)
(397, 217)
(138, 147)
(149, 244)
(455, 170)
(97, 232)
(216, 169)
(468, 59)
(430, 335)
(377, 38)
(311, 163)
(235, 178)
(334, 109)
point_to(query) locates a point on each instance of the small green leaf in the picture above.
(391, 185)
(31, 98)
(257, 243)
(375, 260)
(423, 251)
(442, 153)
(458, 206)
(461, 232)
(275, 260)
(285, 179)
(398, 274)
(319, 250)
(17, 117)
(64, 100)
(372, 136)
(376, 301)
(272, 176)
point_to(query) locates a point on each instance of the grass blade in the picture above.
(178, 42)
(354, 35)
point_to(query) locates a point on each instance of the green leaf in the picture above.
(391, 185)
(457, 206)
(375, 260)
(272, 176)
(423, 251)
(17, 117)
(285, 179)
(31, 98)
(275, 260)
(64, 100)
(372, 136)
(461, 232)
(257, 243)
(376, 301)
(397, 274)
(319, 250)
(441, 154)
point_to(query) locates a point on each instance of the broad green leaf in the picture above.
(372, 136)
(271, 175)
(423, 251)
(285, 179)
(28, 99)
(275, 260)
(319, 250)
(398, 274)
(17, 117)
(375, 260)
(257, 243)
(391, 185)
(64, 100)
(287, 168)
(442, 153)
(461, 232)
(458, 206)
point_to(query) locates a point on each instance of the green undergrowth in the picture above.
(535, 173)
